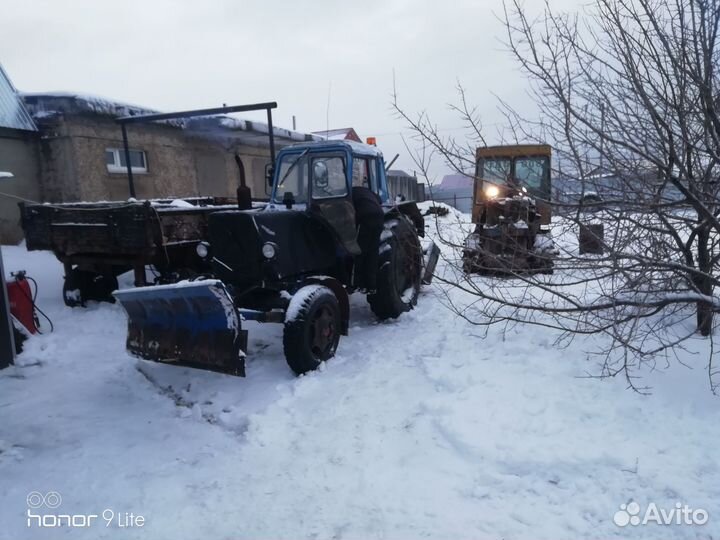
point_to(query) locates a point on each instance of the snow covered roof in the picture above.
(13, 114)
(245, 129)
(44, 104)
(249, 132)
(339, 134)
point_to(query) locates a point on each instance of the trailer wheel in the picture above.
(83, 285)
(400, 272)
(312, 328)
(19, 338)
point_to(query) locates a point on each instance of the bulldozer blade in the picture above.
(191, 323)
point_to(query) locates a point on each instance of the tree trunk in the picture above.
(704, 318)
(704, 285)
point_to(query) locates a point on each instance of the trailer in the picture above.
(96, 242)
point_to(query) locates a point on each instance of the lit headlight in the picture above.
(202, 249)
(269, 250)
(492, 191)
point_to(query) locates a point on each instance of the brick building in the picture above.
(82, 157)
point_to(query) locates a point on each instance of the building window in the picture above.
(115, 160)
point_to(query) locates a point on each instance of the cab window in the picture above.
(328, 177)
(365, 173)
(292, 177)
(530, 172)
(495, 170)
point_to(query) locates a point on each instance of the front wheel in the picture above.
(312, 328)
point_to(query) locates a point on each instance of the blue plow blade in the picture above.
(190, 323)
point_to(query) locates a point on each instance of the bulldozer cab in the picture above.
(506, 171)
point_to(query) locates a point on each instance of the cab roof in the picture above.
(514, 150)
(352, 146)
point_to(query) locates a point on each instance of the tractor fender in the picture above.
(412, 212)
(340, 293)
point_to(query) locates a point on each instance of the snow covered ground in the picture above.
(419, 428)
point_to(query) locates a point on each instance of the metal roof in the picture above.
(352, 146)
(12, 111)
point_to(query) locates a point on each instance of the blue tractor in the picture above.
(292, 262)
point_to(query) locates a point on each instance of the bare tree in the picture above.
(628, 97)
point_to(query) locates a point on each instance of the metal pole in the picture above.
(144, 118)
(7, 340)
(272, 136)
(131, 183)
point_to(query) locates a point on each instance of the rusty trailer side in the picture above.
(108, 239)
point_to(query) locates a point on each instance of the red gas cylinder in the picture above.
(21, 304)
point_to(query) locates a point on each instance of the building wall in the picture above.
(18, 155)
(408, 186)
(179, 164)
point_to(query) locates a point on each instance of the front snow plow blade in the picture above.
(192, 323)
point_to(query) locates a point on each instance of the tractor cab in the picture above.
(511, 211)
(312, 172)
(504, 172)
(318, 179)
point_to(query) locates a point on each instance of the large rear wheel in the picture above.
(312, 328)
(400, 272)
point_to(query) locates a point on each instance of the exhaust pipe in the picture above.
(244, 195)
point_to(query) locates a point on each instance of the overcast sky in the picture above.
(172, 55)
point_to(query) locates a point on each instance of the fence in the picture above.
(460, 198)
(407, 186)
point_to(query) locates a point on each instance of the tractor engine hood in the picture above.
(249, 248)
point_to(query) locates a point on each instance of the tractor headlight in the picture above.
(269, 250)
(492, 191)
(202, 250)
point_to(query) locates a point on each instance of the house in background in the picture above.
(82, 157)
(19, 160)
(344, 134)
